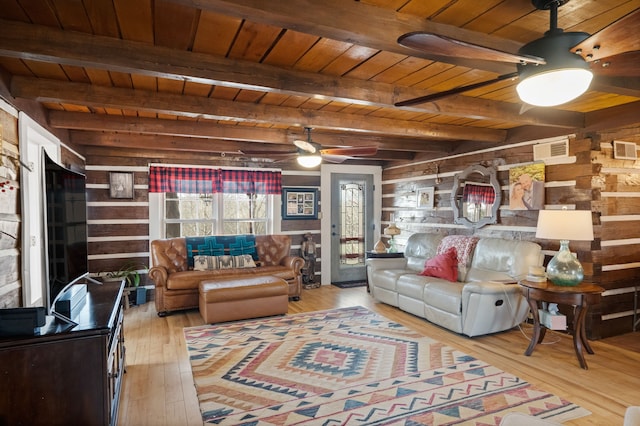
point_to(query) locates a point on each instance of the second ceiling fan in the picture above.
(311, 154)
(549, 67)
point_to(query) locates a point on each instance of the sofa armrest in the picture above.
(159, 276)
(389, 263)
(294, 262)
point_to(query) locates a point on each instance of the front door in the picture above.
(352, 225)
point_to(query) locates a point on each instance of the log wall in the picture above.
(10, 239)
(588, 179)
(119, 228)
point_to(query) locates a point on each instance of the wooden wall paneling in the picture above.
(621, 229)
(102, 266)
(110, 230)
(115, 247)
(118, 212)
(295, 228)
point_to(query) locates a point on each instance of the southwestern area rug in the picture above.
(350, 366)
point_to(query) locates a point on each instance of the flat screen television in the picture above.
(65, 219)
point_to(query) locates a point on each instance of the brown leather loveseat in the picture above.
(176, 283)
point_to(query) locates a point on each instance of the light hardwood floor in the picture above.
(158, 387)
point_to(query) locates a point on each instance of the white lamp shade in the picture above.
(309, 160)
(572, 225)
(554, 87)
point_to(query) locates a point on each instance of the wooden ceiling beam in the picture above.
(52, 45)
(165, 142)
(156, 126)
(77, 121)
(42, 90)
(613, 117)
(177, 143)
(629, 86)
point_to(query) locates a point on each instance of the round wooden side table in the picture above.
(581, 296)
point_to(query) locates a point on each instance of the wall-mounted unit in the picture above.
(625, 150)
(546, 151)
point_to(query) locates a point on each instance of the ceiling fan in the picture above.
(311, 154)
(553, 69)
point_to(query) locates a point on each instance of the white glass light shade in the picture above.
(563, 77)
(309, 160)
(554, 87)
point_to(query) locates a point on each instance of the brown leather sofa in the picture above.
(176, 286)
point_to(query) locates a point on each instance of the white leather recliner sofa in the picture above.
(485, 299)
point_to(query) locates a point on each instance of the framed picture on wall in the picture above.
(526, 187)
(299, 203)
(424, 198)
(121, 185)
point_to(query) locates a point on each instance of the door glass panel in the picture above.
(352, 206)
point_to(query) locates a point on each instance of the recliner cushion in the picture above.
(444, 295)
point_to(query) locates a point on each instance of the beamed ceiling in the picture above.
(239, 76)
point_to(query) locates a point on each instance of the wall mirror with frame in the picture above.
(475, 196)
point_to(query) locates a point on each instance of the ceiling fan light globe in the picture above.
(554, 87)
(309, 161)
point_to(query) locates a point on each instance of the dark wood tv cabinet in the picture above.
(68, 377)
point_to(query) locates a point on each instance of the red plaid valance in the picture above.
(251, 182)
(478, 194)
(194, 180)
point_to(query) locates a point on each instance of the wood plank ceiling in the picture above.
(230, 76)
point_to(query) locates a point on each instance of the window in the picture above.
(199, 201)
(191, 215)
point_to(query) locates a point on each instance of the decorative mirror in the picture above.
(475, 196)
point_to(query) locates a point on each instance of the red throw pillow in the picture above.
(444, 266)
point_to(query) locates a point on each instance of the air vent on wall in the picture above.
(549, 150)
(624, 150)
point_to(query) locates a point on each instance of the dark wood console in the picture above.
(69, 377)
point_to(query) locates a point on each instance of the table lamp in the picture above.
(564, 269)
(392, 230)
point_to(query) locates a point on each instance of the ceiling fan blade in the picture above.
(455, 91)
(305, 145)
(622, 65)
(445, 46)
(354, 151)
(612, 40)
(335, 158)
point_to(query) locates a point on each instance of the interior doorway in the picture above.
(349, 225)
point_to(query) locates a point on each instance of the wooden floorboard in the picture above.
(158, 387)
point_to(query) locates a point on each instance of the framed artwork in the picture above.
(526, 187)
(299, 203)
(121, 185)
(424, 198)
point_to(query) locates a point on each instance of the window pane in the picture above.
(196, 214)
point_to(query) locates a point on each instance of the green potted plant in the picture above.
(130, 273)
